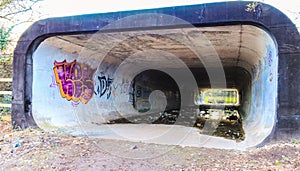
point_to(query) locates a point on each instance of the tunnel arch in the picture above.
(22, 107)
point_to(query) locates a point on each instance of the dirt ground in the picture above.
(34, 149)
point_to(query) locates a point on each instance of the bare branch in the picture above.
(13, 10)
(17, 12)
(5, 3)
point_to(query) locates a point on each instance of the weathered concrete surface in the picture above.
(263, 44)
(238, 46)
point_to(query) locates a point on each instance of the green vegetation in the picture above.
(5, 99)
(4, 37)
(11, 14)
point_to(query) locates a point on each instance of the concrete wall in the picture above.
(70, 90)
(262, 108)
(62, 107)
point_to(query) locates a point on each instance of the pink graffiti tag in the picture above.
(53, 83)
(74, 80)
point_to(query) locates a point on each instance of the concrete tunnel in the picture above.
(83, 80)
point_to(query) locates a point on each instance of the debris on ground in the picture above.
(35, 149)
(230, 127)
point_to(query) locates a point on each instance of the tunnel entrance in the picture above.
(79, 75)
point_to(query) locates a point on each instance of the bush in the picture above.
(4, 37)
(6, 99)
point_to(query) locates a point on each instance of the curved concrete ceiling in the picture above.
(235, 45)
(243, 46)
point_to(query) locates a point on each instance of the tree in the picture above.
(4, 38)
(13, 13)
(11, 10)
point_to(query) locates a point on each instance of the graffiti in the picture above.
(256, 9)
(74, 80)
(138, 91)
(270, 62)
(53, 83)
(270, 58)
(75, 104)
(122, 87)
(271, 77)
(201, 13)
(103, 85)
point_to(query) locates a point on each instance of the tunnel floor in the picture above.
(231, 129)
